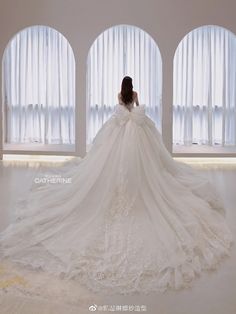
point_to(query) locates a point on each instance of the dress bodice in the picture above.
(129, 106)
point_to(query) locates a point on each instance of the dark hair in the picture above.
(127, 90)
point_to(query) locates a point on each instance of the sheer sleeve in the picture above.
(136, 99)
(119, 99)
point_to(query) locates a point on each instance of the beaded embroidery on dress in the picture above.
(133, 219)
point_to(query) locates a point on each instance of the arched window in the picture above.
(39, 88)
(122, 50)
(204, 100)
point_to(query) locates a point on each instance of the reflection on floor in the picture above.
(211, 293)
(205, 150)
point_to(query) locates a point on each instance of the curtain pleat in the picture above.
(119, 51)
(204, 98)
(39, 88)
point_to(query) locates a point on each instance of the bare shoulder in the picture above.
(135, 94)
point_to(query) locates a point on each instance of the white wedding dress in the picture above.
(133, 219)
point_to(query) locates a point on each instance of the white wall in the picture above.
(81, 21)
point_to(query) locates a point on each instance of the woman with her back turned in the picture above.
(134, 219)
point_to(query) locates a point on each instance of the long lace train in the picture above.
(133, 219)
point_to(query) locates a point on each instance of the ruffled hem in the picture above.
(32, 278)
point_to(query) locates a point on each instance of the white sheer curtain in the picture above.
(204, 100)
(119, 51)
(39, 88)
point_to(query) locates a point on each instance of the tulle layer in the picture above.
(132, 220)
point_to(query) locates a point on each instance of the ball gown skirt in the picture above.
(133, 219)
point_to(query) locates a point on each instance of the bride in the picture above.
(133, 219)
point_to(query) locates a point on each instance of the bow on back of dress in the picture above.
(136, 114)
